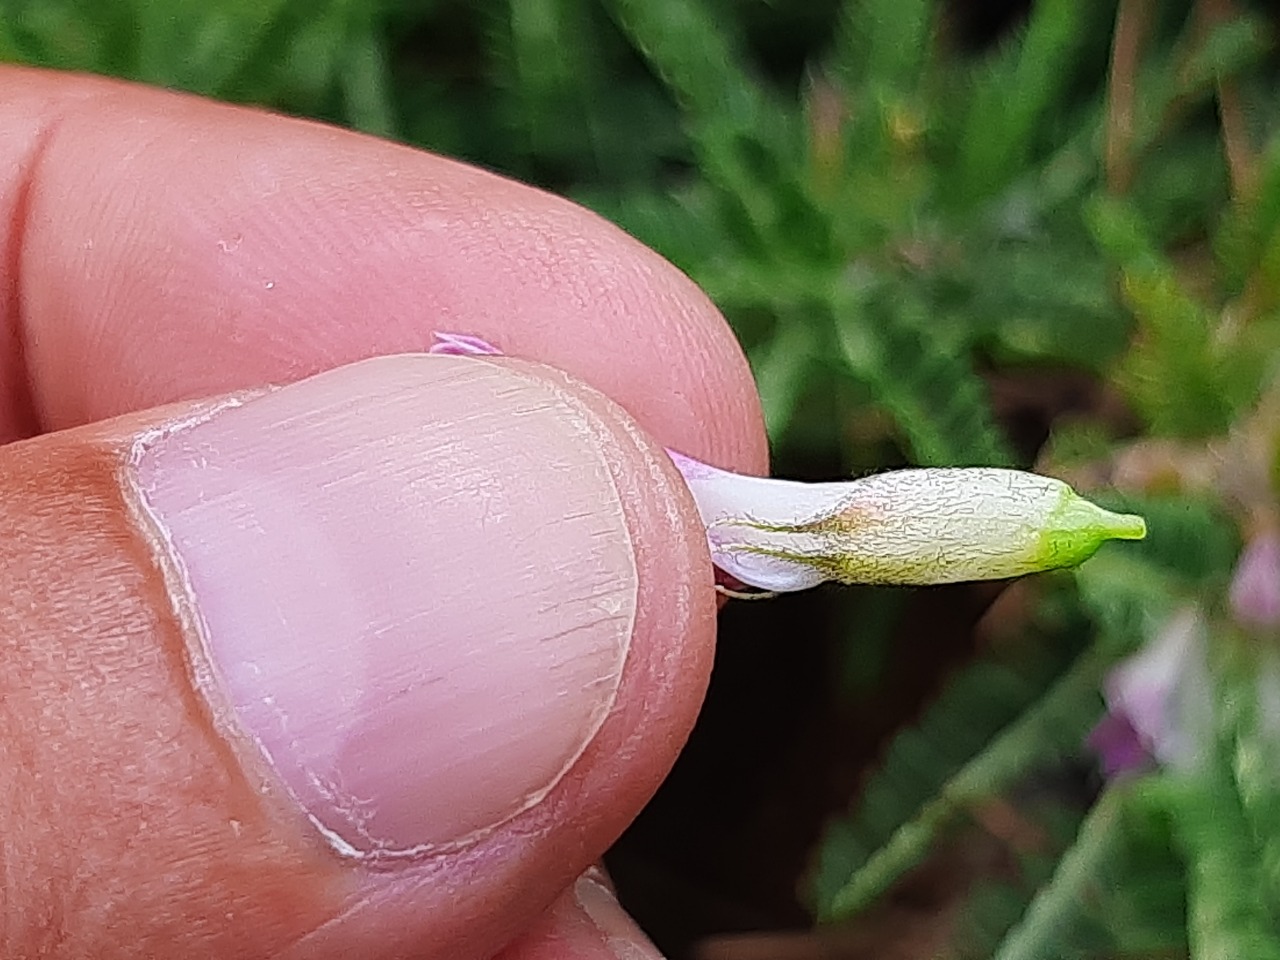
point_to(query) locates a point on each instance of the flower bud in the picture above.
(920, 526)
(904, 527)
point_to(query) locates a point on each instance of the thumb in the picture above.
(372, 665)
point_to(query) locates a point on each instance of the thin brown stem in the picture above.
(1236, 142)
(1132, 17)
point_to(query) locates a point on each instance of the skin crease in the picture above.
(158, 248)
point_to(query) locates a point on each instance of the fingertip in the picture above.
(511, 872)
(586, 923)
(410, 644)
(175, 248)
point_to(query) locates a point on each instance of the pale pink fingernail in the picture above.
(624, 938)
(415, 586)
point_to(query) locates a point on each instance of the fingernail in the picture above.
(624, 938)
(414, 584)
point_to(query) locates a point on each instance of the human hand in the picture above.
(374, 665)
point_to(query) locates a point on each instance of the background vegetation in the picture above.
(1047, 235)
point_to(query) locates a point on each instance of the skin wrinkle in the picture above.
(111, 821)
(193, 630)
(24, 147)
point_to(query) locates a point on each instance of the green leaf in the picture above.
(927, 385)
(199, 45)
(1249, 679)
(1144, 906)
(294, 61)
(1068, 901)
(1178, 373)
(748, 144)
(578, 103)
(366, 80)
(1001, 129)
(1055, 302)
(698, 58)
(1229, 913)
(883, 43)
(1231, 47)
(1248, 241)
(921, 791)
(72, 34)
(782, 368)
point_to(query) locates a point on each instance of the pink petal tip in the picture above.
(462, 345)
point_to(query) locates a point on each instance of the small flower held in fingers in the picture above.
(921, 526)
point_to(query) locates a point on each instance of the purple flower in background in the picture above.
(1119, 746)
(1159, 702)
(1255, 587)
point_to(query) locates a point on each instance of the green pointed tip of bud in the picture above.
(1126, 526)
(1077, 528)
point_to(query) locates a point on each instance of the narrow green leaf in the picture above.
(1053, 726)
(698, 59)
(782, 367)
(884, 41)
(199, 46)
(1178, 372)
(1002, 129)
(1250, 683)
(1229, 915)
(366, 80)
(930, 389)
(1049, 926)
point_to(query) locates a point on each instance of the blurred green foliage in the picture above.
(897, 226)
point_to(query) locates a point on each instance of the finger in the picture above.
(161, 247)
(374, 665)
(586, 923)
